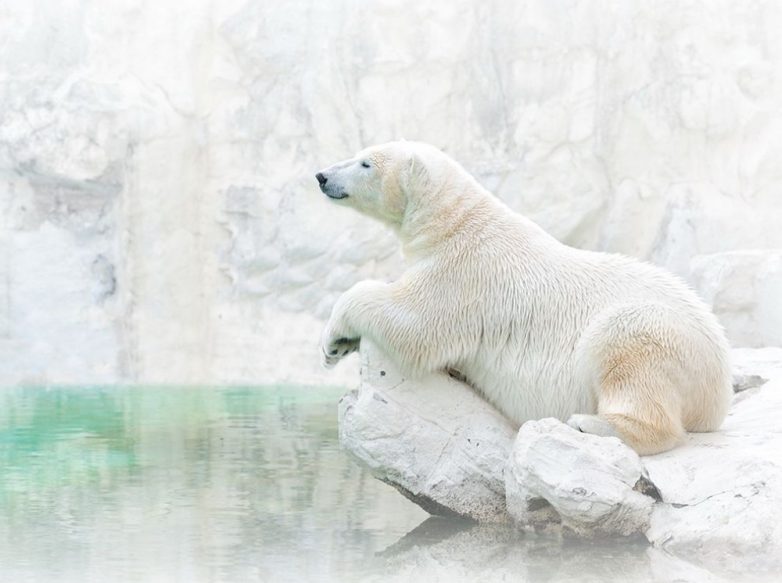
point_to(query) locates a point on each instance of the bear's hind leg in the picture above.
(637, 399)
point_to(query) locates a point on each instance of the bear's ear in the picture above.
(414, 176)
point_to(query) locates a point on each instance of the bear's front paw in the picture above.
(335, 350)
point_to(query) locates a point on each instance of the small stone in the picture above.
(587, 480)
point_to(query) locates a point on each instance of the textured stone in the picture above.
(715, 501)
(434, 439)
(722, 492)
(585, 483)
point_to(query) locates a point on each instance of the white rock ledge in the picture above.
(435, 439)
(716, 500)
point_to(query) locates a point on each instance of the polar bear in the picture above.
(609, 344)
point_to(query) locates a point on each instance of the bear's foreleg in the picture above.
(342, 334)
(387, 315)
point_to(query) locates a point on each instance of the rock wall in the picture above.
(160, 221)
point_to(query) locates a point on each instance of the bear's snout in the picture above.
(329, 188)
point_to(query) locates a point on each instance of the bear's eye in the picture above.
(365, 164)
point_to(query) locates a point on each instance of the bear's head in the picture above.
(387, 181)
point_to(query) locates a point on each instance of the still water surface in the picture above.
(238, 484)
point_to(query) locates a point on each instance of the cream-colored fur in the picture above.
(610, 344)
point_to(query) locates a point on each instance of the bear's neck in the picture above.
(443, 214)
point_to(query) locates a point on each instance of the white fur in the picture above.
(539, 328)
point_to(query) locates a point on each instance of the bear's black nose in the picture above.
(321, 179)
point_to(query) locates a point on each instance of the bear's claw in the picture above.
(338, 349)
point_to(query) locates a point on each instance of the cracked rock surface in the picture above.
(435, 440)
(716, 500)
(585, 483)
(722, 492)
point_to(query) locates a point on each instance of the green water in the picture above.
(241, 484)
(169, 484)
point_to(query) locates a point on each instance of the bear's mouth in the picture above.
(328, 190)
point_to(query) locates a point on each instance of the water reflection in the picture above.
(451, 551)
(240, 484)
